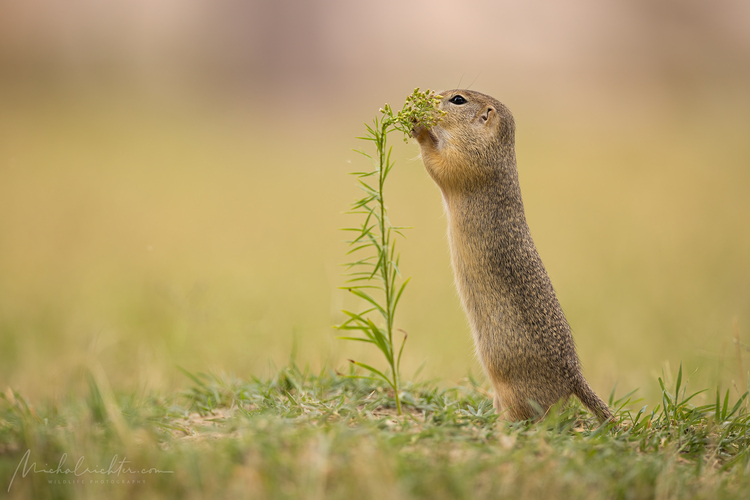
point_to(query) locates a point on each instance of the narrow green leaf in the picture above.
(368, 298)
(737, 405)
(373, 370)
(401, 351)
(724, 408)
(358, 339)
(382, 341)
(398, 295)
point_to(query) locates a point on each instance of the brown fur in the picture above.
(522, 337)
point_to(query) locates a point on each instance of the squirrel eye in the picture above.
(458, 99)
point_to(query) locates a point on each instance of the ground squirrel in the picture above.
(522, 337)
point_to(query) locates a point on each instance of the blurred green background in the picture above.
(173, 174)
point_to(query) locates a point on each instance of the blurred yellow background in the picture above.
(173, 174)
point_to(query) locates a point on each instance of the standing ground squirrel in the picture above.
(522, 337)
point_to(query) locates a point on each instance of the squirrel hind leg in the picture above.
(497, 404)
(506, 407)
(513, 407)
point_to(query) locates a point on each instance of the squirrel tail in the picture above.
(590, 400)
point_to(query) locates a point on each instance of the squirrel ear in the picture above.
(487, 115)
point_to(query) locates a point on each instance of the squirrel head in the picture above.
(472, 144)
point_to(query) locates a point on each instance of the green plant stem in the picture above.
(385, 270)
(420, 109)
